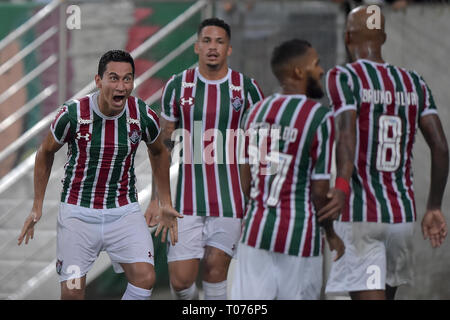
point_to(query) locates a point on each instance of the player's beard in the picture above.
(313, 89)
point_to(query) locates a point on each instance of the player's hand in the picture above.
(333, 208)
(28, 227)
(336, 244)
(152, 213)
(168, 222)
(434, 227)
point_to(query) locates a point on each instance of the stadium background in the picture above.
(418, 38)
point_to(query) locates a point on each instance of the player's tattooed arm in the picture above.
(434, 225)
(345, 132)
(168, 128)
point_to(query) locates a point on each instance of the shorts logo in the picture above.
(134, 136)
(59, 264)
(150, 254)
(87, 137)
(237, 103)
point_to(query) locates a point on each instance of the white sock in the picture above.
(190, 293)
(135, 293)
(215, 291)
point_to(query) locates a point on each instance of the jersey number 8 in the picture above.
(389, 138)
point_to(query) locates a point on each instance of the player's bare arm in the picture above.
(151, 214)
(319, 190)
(245, 179)
(42, 169)
(159, 159)
(434, 226)
(345, 131)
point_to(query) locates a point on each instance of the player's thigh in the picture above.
(222, 233)
(363, 265)
(399, 254)
(78, 241)
(298, 278)
(190, 245)
(127, 240)
(254, 275)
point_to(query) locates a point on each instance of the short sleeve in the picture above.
(339, 90)
(254, 93)
(149, 123)
(60, 127)
(322, 148)
(427, 106)
(169, 107)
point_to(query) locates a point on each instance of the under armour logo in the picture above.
(188, 101)
(187, 84)
(86, 137)
(84, 121)
(235, 88)
(150, 254)
(132, 121)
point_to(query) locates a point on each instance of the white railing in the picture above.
(20, 170)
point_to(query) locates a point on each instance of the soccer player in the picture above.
(207, 103)
(99, 208)
(378, 108)
(286, 181)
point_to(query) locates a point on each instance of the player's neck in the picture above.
(289, 88)
(211, 73)
(369, 53)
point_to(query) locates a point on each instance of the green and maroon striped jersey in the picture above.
(389, 101)
(209, 113)
(291, 141)
(99, 172)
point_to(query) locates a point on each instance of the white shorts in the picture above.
(82, 233)
(265, 275)
(194, 233)
(375, 254)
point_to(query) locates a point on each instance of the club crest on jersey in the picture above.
(134, 136)
(187, 102)
(59, 264)
(237, 103)
(86, 137)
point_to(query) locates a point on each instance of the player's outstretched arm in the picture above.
(151, 214)
(42, 169)
(345, 132)
(159, 159)
(434, 226)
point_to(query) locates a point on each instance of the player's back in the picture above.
(290, 144)
(389, 101)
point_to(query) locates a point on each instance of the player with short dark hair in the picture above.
(207, 103)
(286, 181)
(99, 207)
(378, 108)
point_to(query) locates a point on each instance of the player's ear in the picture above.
(196, 50)
(98, 81)
(299, 73)
(230, 49)
(384, 37)
(347, 38)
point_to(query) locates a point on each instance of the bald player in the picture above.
(378, 108)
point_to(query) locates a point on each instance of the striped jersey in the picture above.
(208, 113)
(388, 101)
(291, 140)
(99, 172)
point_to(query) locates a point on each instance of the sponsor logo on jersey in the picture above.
(237, 103)
(235, 88)
(187, 102)
(187, 84)
(133, 121)
(86, 137)
(59, 264)
(134, 136)
(85, 121)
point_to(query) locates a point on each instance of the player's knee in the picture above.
(180, 283)
(72, 294)
(215, 270)
(147, 279)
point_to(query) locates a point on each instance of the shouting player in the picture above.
(99, 207)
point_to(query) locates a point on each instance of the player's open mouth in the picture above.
(118, 98)
(212, 55)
